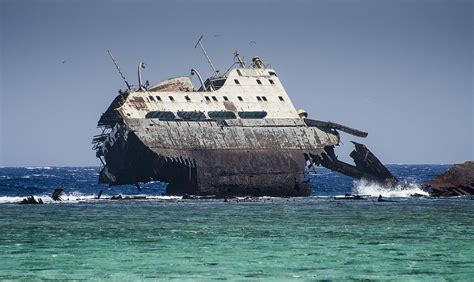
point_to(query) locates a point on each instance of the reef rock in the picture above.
(456, 181)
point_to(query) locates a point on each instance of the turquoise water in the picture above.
(304, 238)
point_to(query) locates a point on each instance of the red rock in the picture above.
(456, 181)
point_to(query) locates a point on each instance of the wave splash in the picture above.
(76, 197)
(401, 190)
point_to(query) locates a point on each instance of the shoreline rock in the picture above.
(456, 181)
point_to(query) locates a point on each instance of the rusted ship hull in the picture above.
(225, 164)
(220, 173)
(238, 134)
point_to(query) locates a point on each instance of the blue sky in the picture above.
(401, 70)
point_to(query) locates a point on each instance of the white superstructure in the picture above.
(241, 90)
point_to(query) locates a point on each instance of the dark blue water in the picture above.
(162, 238)
(25, 181)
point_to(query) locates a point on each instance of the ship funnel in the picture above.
(258, 63)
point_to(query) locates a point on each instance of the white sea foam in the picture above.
(16, 199)
(401, 190)
(38, 167)
(10, 199)
(76, 197)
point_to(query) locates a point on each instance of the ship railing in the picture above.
(99, 139)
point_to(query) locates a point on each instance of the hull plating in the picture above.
(243, 161)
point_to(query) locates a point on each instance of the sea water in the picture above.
(318, 237)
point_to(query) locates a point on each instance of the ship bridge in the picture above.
(240, 91)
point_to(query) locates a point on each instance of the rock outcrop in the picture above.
(456, 181)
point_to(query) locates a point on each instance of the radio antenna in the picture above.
(118, 69)
(205, 54)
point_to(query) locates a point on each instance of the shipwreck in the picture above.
(238, 133)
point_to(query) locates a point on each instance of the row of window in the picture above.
(270, 73)
(200, 116)
(212, 98)
(258, 81)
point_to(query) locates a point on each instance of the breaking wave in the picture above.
(76, 197)
(37, 167)
(401, 190)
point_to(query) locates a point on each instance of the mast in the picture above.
(205, 54)
(239, 59)
(118, 69)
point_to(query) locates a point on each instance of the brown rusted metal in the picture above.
(243, 160)
(111, 116)
(333, 125)
(367, 165)
(138, 103)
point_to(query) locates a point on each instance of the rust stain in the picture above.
(138, 103)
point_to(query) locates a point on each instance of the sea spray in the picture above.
(402, 190)
(76, 197)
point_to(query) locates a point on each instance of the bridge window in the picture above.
(281, 98)
(217, 83)
(240, 98)
(171, 98)
(151, 98)
(272, 73)
(271, 81)
(187, 98)
(264, 98)
(252, 115)
(158, 98)
(225, 98)
(214, 98)
(238, 71)
(258, 81)
(236, 81)
(207, 98)
(258, 98)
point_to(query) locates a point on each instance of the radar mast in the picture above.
(199, 43)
